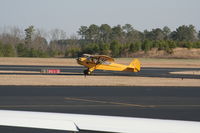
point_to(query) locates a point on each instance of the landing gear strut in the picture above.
(87, 72)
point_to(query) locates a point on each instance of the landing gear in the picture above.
(87, 72)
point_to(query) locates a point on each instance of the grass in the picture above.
(157, 62)
(146, 62)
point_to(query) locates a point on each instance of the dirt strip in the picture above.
(74, 80)
(146, 62)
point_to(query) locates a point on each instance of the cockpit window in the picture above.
(98, 60)
(95, 60)
(104, 61)
(88, 59)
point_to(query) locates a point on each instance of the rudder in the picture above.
(136, 65)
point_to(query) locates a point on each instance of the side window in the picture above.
(95, 60)
(106, 63)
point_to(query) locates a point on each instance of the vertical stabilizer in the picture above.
(135, 64)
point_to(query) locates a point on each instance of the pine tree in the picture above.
(115, 47)
(29, 33)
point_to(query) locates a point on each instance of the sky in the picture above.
(69, 15)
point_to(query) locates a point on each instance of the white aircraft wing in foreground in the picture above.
(77, 122)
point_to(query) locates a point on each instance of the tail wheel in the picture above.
(87, 72)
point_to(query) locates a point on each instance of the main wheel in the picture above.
(87, 72)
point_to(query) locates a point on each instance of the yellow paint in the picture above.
(131, 104)
(102, 62)
(108, 102)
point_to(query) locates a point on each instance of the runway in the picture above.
(78, 70)
(179, 103)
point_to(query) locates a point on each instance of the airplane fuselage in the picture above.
(112, 66)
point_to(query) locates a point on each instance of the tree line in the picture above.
(116, 41)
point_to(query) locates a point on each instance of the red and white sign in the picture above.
(55, 71)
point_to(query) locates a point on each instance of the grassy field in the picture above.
(94, 80)
(156, 62)
(146, 62)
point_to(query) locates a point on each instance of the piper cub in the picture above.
(103, 62)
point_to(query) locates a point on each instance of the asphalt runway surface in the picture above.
(78, 70)
(178, 103)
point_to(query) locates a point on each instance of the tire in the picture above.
(87, 72)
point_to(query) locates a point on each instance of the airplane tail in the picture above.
(135, 64)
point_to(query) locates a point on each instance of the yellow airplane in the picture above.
(103, 62)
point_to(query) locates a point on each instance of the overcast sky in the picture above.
(69, 15)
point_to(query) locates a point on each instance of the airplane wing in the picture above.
(77, 122)
(103, 58)
(99, 57)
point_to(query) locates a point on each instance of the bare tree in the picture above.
(11, 35)
(57, 34)
(39, 40)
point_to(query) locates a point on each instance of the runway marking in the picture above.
(129, 104)
(16, 72)
(107, 102)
